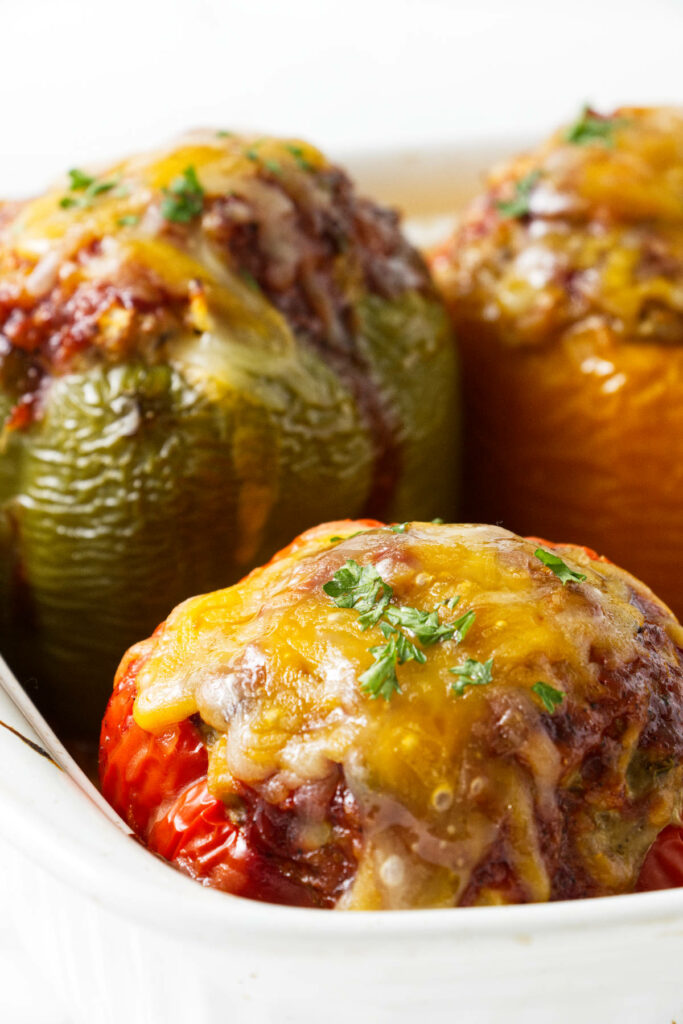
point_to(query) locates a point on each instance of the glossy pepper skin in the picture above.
(565, 283)
(239, 743)
(202, 351)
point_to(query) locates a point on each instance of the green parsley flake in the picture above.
(129, 220)
(89, 187)
(519, 205)
(79, 180)
(437, 521)
(560, 568)
(222, 134)
(99, 187)
(472, 673)
(363, 589)
(380, 680)
(184, 198)
(398, 528)
(360, 587)
(452, 601)
(550, 697)
(407, 651)
(590, 127)
(274, 166)
(461, 626)
(298, 154)
(425, 625)
(333, 540)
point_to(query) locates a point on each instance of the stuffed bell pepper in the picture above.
(202, 351)
(565, 282)
(417, 715)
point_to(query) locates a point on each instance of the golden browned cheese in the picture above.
(117, 238)
(569, 312)
(473, 795)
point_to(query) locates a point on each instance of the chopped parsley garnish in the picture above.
(472, 673)
(362, 588)
(336, 537)
(298, 154)
(407, 650)
(184, 198)
(550, 697)
(398, 528)
(98, 187)
(79, 180)
(519, 205)
(222, 134)
(274, 166)
(87, 185)
(438, 521)
(461, 626)
(380, 680)
(452, 601)
(129, 220)
(560, 568)
(590, 127)
(425, 625)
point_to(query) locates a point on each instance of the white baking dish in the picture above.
(123, 937)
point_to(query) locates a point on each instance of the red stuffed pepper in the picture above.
(420, 715)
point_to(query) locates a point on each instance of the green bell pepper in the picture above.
(151, 472)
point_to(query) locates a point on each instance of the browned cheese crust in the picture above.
(447, 795)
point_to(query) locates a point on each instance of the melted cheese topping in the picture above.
(225, 164)
(600, 246)
(119, 237)
(272, 666)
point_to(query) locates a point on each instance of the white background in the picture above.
(84, 81)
